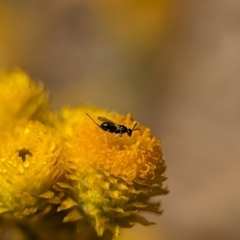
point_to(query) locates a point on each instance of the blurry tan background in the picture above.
(173, 65)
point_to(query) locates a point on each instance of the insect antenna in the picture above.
(134, 129)
(92, 119)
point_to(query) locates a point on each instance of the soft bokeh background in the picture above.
(174, 65)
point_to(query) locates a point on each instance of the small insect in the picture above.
(109, 126)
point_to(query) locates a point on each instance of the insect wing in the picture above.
(103, 119)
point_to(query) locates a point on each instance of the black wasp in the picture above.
(109, 126)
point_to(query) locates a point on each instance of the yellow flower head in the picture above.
(20, 97)
(115, 175)
(29, 166)
(96, 168)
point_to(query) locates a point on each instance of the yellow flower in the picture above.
(20, 97)
(29, 167)
(115, 176)
(71, 166)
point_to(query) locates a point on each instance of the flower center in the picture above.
(23, 152)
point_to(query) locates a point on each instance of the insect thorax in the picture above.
(121, 129)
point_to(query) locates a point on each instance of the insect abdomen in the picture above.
(108, 126)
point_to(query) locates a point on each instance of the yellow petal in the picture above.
(66, 204)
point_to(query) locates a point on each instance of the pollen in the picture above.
(127, 158)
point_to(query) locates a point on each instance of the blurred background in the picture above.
(174, 65)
